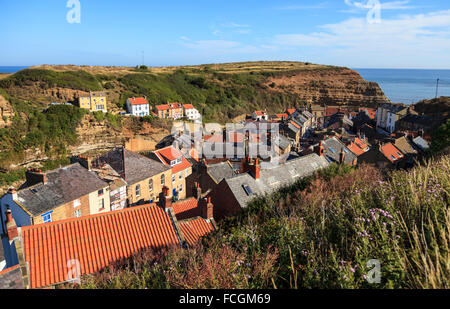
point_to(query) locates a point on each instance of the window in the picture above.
(163, 180)
(187, 172)
(247, 190)
(332, 150)
(100, 192)
(76, 203)
(101, 204)
(393, 158)
(174, 178)
(77, 213)
(138, 190)
(150, 185)
(47, 217)
(181, 188)
(181, 175)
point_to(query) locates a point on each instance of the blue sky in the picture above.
(411, 34)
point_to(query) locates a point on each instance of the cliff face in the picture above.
(331, 87)
(6, 112)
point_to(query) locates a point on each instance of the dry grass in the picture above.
(230, 68)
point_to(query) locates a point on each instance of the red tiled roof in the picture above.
(95, 241)
(355, 149)
(295, 124)
(282, 116)
(235, 137)
(171, 153)
(391, 152)
(138, 101)
(361, 144)
(370, 112)
(259, 113)
(194, 229)
(291, 111)
(188, 106)
(186, 209)
(216, 138)
(331, 111)
(162, 107)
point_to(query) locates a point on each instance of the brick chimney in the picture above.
(164, 200)
(207, 208)
(197, 191)
(342, 156)
(35, 176)
(85, 161)
(256, 169)
(11, 226)
(319, 149)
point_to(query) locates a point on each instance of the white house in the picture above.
(138, 107)
(191, 112)
(388, 114)
(260, 115)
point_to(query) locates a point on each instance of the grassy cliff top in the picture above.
(231, 68)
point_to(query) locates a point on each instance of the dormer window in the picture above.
(175, 162)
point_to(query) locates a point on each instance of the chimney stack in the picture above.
(164, 200)
(256, 169)
(11, 226)
(35, 176)
(13, 192)
(319, 149)
(207, 208)
(342, 156)
(197, 191)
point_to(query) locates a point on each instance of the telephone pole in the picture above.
(437, 87)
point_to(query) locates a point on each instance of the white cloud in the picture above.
(413, 39)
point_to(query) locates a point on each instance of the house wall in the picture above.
(147, 195)
(181, 183)
(91, 102)
(225, 204)
(94, 201)
(21, 217)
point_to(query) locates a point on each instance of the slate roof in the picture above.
(421, 143)
(282, 142)
(333, 149)
(393, 108)
(63, 186)
(221, 170)
(95, 241)
(274, 177)
(405, 146)
(137, 167)
(11, 278)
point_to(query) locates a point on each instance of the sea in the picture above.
(409, 86)
(400, 85)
